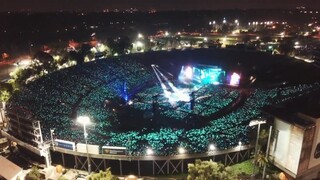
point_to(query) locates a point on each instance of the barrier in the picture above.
(65, 144)
(115, 150)
(92, 149)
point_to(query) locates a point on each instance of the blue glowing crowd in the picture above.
(101, 88)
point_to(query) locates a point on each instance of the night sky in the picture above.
(94, 5)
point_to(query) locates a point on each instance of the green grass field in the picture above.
(244, 167)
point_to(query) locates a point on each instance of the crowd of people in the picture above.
(99, 89)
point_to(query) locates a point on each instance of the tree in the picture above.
(266, 39)
(261, 160)
(64, 60)
(6, 90)
(286, 47)
(246, 38)
(103, 175)
(119, 45)
(20, 77)
(80, 55)
(4, 86)
(224, 29)
(207, 170)
(33, 174)
(192, 42)
(43, 63)
(263, 139)
(124, 44)
(4, 96)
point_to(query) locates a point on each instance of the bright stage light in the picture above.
(183, 96)
(188, 72)
(235, 79)
(179, 95)
(130, 102)
(195, 76)
(163, 86)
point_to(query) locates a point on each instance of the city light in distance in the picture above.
(140, 36)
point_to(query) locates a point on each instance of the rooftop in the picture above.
(308, 105)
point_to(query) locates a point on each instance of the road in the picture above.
(5, 70)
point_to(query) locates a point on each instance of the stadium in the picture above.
(161, 100)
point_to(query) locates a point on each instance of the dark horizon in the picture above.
(144, 5)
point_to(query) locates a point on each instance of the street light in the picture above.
(253, 123)
(212, 147)
(224, 21)
(181, 150)
(85, 120)
(267, 153)
(149, 151)
(51, 134)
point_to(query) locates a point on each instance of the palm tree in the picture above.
(4, 96)
(261, 160)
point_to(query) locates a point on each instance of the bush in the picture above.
(103, 175)
(206, 170)
(34, 174)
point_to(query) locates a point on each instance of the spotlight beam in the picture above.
(171, 92)
(168, 82)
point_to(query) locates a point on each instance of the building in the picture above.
(8, 169)
(295, 146)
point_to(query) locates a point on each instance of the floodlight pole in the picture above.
(51, 134)
(267, 153)
(253, 123)
(86, 140)
(85, 120)
(256, 149)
